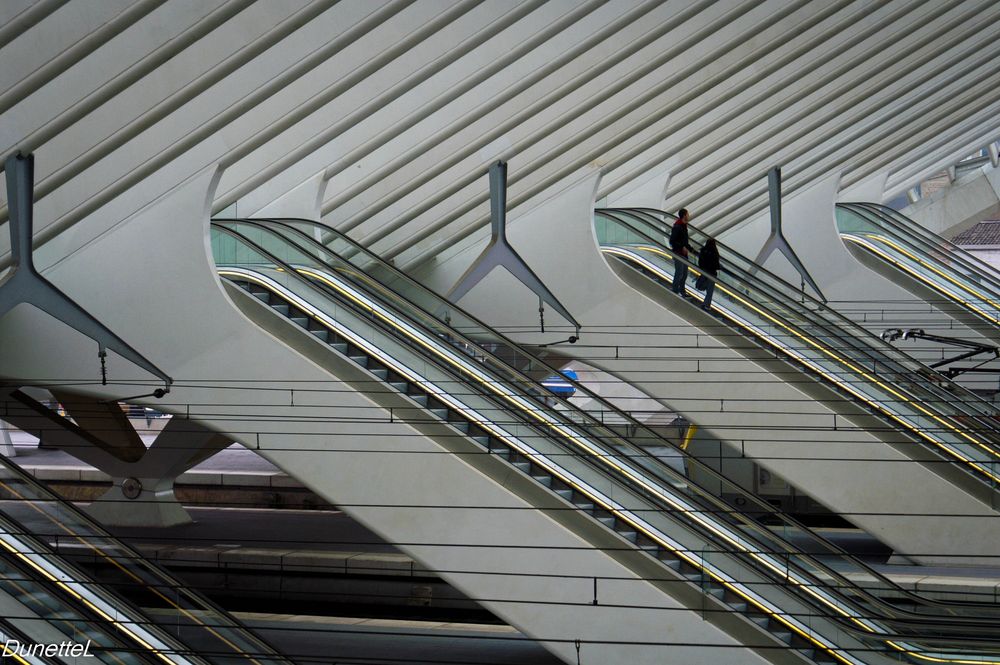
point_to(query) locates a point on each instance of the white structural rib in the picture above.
(401, 106)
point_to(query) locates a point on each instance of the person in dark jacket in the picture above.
(679, 244)
(708, 261)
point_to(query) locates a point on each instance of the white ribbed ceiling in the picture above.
(402, 105)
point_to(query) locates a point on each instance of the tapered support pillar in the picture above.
(500, 253)
(23, 284)
(777, 240)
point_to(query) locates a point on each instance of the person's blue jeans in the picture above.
(680, 277)
(709, 290)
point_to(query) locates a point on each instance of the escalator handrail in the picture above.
(780, 292)
(523, 379)
(783, 288)
(600, 497)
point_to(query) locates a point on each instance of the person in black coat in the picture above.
(679, 244)
(708, 261)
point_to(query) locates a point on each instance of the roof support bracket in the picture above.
(23, 284)
(499, 253)
(777, 240)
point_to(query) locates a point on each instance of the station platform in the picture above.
(322, 546)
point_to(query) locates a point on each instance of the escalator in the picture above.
(931, 267)
(315, 289)
(65, 581)
(48, 605)
(952, 421)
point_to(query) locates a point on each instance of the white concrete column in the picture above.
(6, 445)
(142, 493)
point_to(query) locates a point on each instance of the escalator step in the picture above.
(47, 600)
(360, 360)
(461, 425)
(62, 615)
(584, 505)
(482, 439)
(441, 412)
(502, 450)
(340, 347)
(264, 296)
(300, 321)
(670, 562)
(243, 285)
(783, 635)
(381, 373)
(646, 543)
(280, 308)
(693, 576)
(85, 631)
(399, 386)
(565, 493)
(322, 334)
(716, 592)
(628, 534)
(523, 466)
(543, 479)
(607, 521)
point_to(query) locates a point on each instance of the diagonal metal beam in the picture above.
(777, 241)
(23, 284)
(499, 253)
